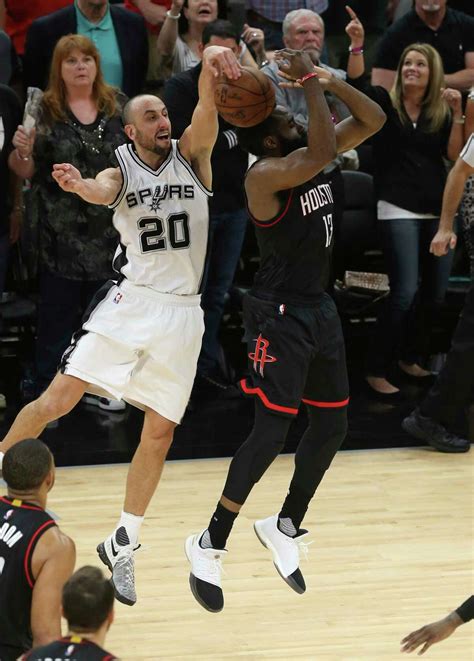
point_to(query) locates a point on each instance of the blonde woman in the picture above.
(424, 126)
(79, 123)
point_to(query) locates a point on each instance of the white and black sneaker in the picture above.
(285, 551)
(205, 576)
(104, 403)
(117, 553)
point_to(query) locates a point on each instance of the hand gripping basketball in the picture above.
(293, 63)
(247, 101)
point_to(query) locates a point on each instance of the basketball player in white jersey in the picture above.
(141, 335)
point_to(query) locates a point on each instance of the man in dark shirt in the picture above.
(431, 22)
(437, 631)
(119, 35)
(88, 607)
(227, 213)
(10, 211)
(36, 558)
(295, 343)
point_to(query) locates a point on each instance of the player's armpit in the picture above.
(52, 564)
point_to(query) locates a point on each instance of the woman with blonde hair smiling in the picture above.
(424, 126)
(79, 122)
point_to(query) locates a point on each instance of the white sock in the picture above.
(2, 454)
(132, 524)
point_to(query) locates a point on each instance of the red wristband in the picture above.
(306, 77)
(356, 51)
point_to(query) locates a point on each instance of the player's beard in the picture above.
(150, 145)
(287, 146)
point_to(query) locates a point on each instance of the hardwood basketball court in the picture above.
(392, 550)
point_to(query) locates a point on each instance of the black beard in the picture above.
(287, 146)
(160, 151)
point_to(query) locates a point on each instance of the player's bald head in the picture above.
(137, 107)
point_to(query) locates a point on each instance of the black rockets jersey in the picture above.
(69, 648)
(21, 526)
(295, 246)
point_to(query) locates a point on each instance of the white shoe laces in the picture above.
(303, 547)
(211, 567)
(125, 565)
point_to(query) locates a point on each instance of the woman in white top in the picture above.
(180, 36)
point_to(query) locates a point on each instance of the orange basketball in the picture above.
(246, 101)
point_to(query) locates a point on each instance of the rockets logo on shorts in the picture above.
(260, 355)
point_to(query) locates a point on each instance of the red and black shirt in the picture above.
(70, 648)
(295, 246)
(21, 526)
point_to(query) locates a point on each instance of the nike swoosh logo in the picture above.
(114, 552)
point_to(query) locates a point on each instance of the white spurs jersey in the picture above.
(162, 217)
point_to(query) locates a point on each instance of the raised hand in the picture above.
(67, 177)
(293, 64)
(24, 141)
(218, 60)
(453, 98)
(355, 29)
(254, 37)
(176, 7)
(325, 78)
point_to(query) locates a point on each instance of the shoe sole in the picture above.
(103, 556)
(268, 545)
(411, 428)
(192, 579)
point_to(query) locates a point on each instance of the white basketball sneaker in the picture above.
(104, 403)
(205, 576)
(119, 559)
(285, 551)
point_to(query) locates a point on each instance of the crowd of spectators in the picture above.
(418, 57)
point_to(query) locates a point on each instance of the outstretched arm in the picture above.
(431, 633)
(101, 190)
(198, 139)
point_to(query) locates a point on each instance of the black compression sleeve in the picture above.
(466, 610)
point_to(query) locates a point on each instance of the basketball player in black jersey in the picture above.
(295, 343)
(88, 606)
(36, 558)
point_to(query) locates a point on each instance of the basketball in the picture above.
(247, 101)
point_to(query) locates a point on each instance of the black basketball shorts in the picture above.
(295, 355)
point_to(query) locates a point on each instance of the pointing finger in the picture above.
(351, 12)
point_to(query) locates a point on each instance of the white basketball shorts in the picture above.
(138, 345)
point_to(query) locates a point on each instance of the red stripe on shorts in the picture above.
(265, 401)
